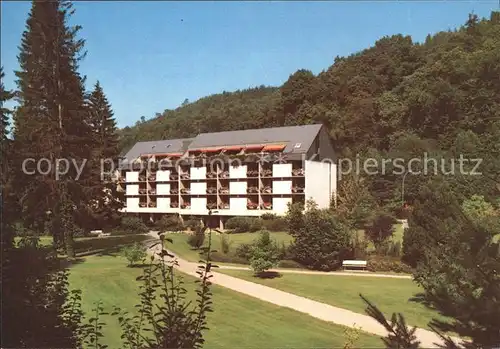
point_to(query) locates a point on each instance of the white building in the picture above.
(235, 173)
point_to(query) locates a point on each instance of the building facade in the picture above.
(234, 173)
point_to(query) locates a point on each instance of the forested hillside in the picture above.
(395, 99)
(433, 89)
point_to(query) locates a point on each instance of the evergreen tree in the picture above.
(105, 159)
(5, 144)
(50, 122)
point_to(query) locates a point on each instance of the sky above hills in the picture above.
(150, 56)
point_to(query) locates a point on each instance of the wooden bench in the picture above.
(354, 264)
(96, 232)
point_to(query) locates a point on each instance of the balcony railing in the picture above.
(174, 177)
(152, 191)
(253, 173)
(224, 190)
(266, 206)
(266, 190)
(142, 191)
(224, 206)
(174, 204)
(152, 204)
(298, 172)
(211, 205)
(143, 204)
(253, 190)
(297, 189)
(174, 191)
(211, 190)
(152, 178)
(211, 174)
(252, 205)
(266, 173)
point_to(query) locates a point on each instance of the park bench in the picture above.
(354, 264)
(96, 232)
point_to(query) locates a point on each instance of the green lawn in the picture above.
(390, 295)
(237, 321)
(181, 248)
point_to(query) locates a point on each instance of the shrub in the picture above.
(289, 263)
(133, 225)
(386, 264)
(358, 249)
(275, 224)
(265, 254)
(238, 224)
(197, 239)
(225, 243)
(244, 251)
(320, 241)
(477, 207)
(134, 253)
(244, 224)
(169, 223)
(380, 228)
(192, 224)
(268, 216)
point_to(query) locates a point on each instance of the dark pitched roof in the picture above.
(298, 139)
(158, 147)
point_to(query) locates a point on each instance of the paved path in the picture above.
(316, 309)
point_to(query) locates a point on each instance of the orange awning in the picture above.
(234, 147)
(210, 150)
(274, 147)
(254, 147)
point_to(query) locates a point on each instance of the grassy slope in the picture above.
(390, 295)
(238, 320)
(183, 250)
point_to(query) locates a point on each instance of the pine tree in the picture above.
(105, 159)
(50, 122)
(5, 144)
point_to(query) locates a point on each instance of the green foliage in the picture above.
(133, 225)
(387, 264)
(457, 266)
(109, 243)
(225, 243)
(400, 336)
(197, 239)
(380, 229)
(134, 254)
(192, 224)
(169, 223)
(320, 241)
(289, 263)
(173, 322)
(244, 251)
(352, 336)
(274, 224)
(265, 254)
(477, 207)
(295, 218)
(244, 224)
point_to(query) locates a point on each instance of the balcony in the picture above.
(174, 191)
(266, 206)
(143, 204)
(174, 204)
(253, 190)
(266, 190)
(297, 189)
(212, 175)
(252, 173)
(266, 173)
(185, 191)
(251, 205)
(298, 172)
(211, 190)
(224, 206)
(152, 178)
(143, 191)
(185, 176)
(186, 206)
(224, 190)
(174, 176)
(224, 174)
(211, 205)
(152, 191)
(152, 204)
(142, 178)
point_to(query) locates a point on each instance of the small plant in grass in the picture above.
(225, 243)
(197, 239)
(134, 253)
(265, 254)
(352, 336)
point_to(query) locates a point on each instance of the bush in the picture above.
(265, 254)
(197, 239)
(169, 223)
(380, 228)
(275, 224)
(133, 225)
(387, 264)
(359, 247)
(225, 243)
(289, 263)
(134, 253)
(244, 224)
(244, 251)
(321, 242)
(268, 216)
(192, 224)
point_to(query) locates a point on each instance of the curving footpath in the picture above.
(316, 309)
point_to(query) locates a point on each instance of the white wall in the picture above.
(163, 175)
(162, 189)
(282, 187)
(132, 189)
(198, 188)
(238, 188)
(280, 205)
(318, 184)
(333, 178)
(282, 170)
(238, 204)
(237, 171)
(198, 204)
(163, 204)
(198, 172)
(132, 203)
(132, 176)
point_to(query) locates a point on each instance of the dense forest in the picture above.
(397, 97)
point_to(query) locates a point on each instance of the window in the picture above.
(297, 145)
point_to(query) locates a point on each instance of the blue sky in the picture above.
(150, 56)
